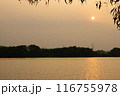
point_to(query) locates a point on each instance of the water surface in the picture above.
(60, 68)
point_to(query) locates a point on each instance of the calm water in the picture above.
(60, 68)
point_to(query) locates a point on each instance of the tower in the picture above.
(92, 47)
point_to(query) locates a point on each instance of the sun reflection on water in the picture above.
(92, 69)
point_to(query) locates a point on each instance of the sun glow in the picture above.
(93, 18)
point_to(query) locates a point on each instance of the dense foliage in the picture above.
(73, 51)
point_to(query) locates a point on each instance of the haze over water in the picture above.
(58, 24)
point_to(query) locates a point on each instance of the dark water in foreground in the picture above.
(60, 68)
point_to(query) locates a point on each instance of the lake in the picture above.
(55, 24)
(60, 68)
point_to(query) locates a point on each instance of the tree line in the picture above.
(30, 51)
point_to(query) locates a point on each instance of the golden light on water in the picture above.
(92, 69)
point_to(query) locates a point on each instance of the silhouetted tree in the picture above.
(82, 1)
(115, 11)
(98, 4)
(115, 52)
(33, 2)
(34, 51)
(101, 53)
(116, 15)
(19, 51)
(68, 1)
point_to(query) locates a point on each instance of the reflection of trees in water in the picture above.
(115, 11)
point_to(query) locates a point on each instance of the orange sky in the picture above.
(57, 25)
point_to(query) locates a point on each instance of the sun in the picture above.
(93, 18)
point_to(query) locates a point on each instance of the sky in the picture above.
(57, 25)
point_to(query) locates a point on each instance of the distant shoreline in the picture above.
(34, 51)
(57, 57)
